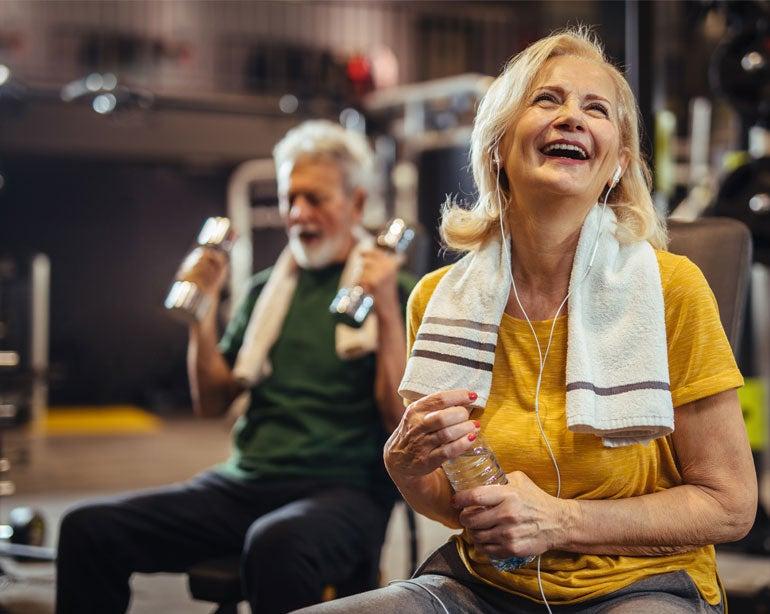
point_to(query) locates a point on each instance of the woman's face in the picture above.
(566, 141)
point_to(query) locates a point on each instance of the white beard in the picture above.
(317, 257)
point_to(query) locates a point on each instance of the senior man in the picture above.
(303, 498)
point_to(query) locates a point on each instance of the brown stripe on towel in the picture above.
(487, 328)
(467, 343)
(611, 390)
(455, 360)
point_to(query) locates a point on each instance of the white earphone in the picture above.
(543, 355)
(616, 177)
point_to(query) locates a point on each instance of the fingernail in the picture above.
(472, 436)
(473, 396)
(477, 424)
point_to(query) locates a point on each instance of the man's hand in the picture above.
(378, 274)
(207, 268)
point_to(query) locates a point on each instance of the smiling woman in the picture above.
(531, 89)
(617, 423)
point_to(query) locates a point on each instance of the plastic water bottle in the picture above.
(479, 467)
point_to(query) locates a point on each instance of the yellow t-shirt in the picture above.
(701, 364)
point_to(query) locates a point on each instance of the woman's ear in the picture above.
(624, 159)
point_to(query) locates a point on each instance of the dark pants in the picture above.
(294, 538)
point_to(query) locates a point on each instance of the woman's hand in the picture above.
(432, 430)
(515, 519)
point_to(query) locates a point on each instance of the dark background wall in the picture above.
(115, 232)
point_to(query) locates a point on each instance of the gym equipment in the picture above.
(104, 94)
(27, 526)
(23, 389)
(427, 128)
(745, 195)
(740, 67)
(25, 534)
(353, 305)
(740, 72)
(187, 298)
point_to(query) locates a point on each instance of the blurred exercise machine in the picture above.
(740, 73)
(23, 390)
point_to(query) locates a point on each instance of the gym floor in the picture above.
(54, 468)
(53, 471)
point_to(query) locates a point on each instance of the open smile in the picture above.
(307, 236)
(569, 152)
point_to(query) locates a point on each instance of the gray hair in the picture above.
(321, 139)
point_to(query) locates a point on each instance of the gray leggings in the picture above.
(442, 585)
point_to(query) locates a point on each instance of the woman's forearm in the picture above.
(430, 496)
(716, 504)
(432, 429)
(674, 520)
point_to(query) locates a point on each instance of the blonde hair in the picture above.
(320, 139)
(466, 228)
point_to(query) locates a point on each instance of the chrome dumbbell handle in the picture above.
(186, 299)
(353, 305)
(396, 236)
(217, 232)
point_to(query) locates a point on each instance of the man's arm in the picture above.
(212, 385)
(391, 360)
(379, 277)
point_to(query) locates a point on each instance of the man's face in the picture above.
(318, 211)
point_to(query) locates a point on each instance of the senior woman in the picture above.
(591, 360)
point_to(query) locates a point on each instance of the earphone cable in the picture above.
(543, 356)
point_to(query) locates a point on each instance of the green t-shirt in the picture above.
(315, 416)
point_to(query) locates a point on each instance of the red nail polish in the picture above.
(473, 396)
(472, 436)
(477, 424)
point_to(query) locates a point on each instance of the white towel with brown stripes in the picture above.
(617, 360)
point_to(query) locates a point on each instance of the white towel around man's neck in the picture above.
(252, 364)
(617, 361)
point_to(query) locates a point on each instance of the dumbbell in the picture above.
(187, 298)
(353, 305)
(26, 526)
(25, 532)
